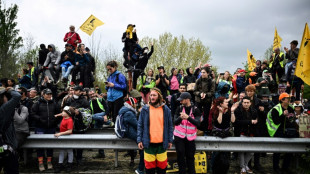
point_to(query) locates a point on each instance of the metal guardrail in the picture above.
(206, 143)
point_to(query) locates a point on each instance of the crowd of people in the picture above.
(158, 109)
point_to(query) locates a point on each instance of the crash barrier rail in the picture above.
(203, 143)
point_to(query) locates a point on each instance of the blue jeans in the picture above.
(99, 120)
(65, 73)
(286, 67)
(49, 152)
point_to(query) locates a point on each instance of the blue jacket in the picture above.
(144, 127)
(130, 121)
(119, 86)
(241, 83)
(25, 81)
(82, 59)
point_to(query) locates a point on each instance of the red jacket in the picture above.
(75, 36)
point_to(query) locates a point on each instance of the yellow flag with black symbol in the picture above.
(91, 24)
(303, 62)
(251, 61)
(276, 40)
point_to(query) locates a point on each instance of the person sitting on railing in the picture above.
(81, 59)
(281, 122)
(246, 118)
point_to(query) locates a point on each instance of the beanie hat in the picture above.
(131, 101)
(69, 110)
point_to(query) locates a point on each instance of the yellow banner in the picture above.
(251, 61)
(277, 40)
(303, 61)
(91, 24)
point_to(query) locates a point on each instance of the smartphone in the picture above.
(106, 83)
(221, 74)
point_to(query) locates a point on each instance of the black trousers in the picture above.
(115, 107)
(297, 87)
(9, 163)
(185, 150)
(76, 70)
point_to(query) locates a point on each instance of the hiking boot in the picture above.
(41, 167)
(248, 170)
(49, 165)
(59, 168)
(69, 167)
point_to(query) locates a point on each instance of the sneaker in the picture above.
(59, 168)
(243, 171)
(49, 165)
(137, 171)
(41, 167)
(248, 170)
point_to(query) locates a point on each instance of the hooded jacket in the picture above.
(43, 113)
(52, 57)
(144, 127)
(190, 78)
(130, 121)
(20, 119)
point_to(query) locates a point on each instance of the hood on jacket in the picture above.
(127, 107)
(53, 47)
(187, 71)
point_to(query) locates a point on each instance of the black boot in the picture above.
(69, 167)
(59, 168)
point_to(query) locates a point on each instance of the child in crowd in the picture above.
(66, 127)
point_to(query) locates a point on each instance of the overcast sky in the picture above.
(227, 27)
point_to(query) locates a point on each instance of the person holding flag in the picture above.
(72, 37)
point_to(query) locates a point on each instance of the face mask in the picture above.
(145, 51)
(75, 96)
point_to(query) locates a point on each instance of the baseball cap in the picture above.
(78, 88)
(68, 45)
(283, 95)
(242, 70)
(184, 95)
(47, 91)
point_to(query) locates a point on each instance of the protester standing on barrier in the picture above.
(9, 99)
(246, 118)
(204, 92)
(45, 123)
(281, 122)
(186, 121)
(155, 133)
(115, 85)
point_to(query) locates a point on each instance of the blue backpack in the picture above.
(120, 128)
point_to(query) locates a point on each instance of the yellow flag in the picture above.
(277, 40)
(303, 61)
(91, 24)
(251, 61)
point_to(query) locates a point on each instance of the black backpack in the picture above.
(125, 92)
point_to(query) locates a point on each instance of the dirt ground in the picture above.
(94, 164)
